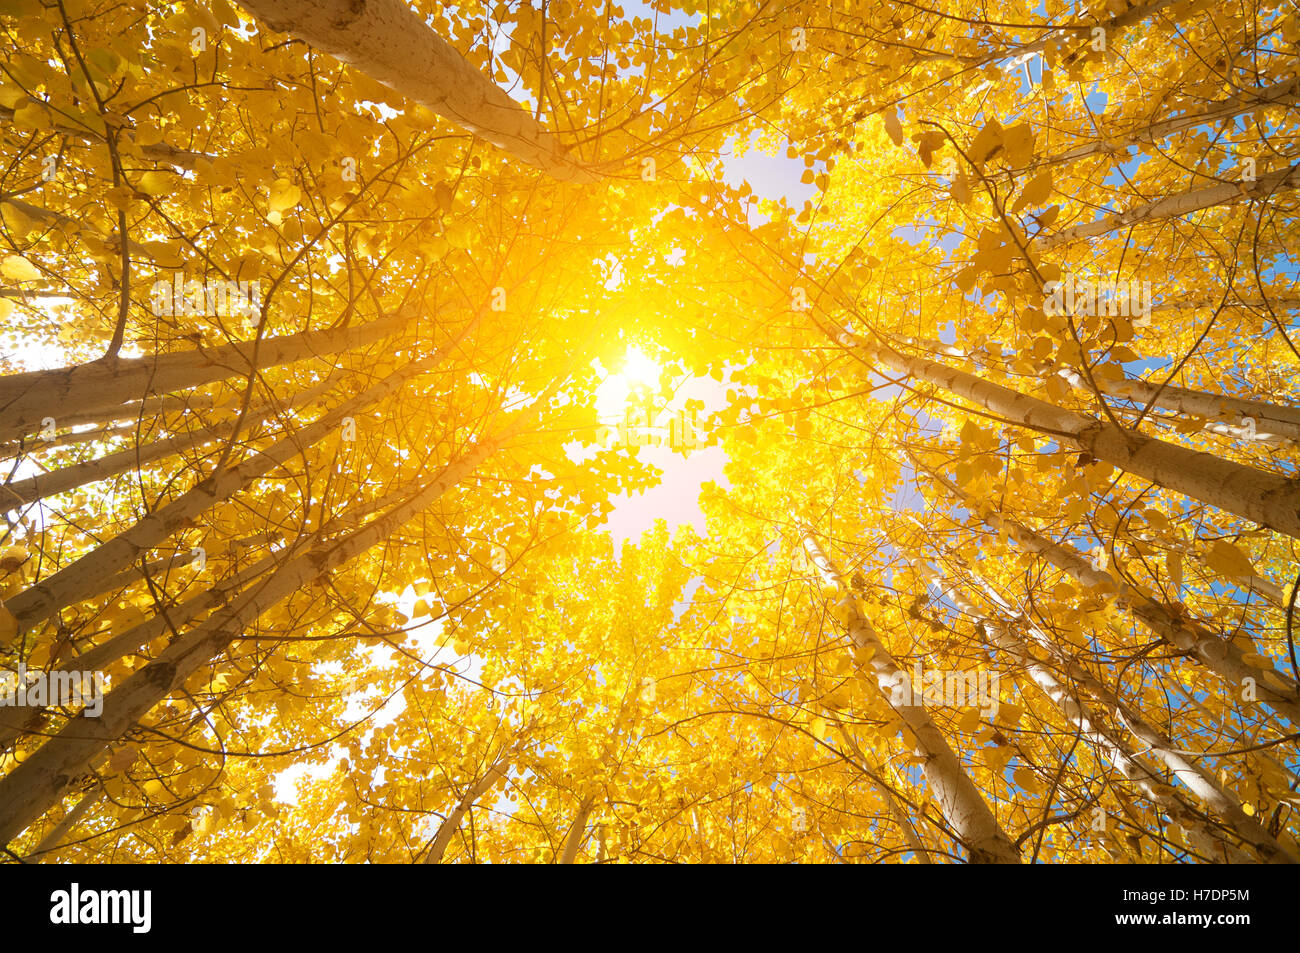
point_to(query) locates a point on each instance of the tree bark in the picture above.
(1187, 636)
(36, 785)
(389, 42)
(72, 224)
(158, 152)
(27, 398)
(576, 833)
(1269, 418)
(1253, 304)
(56, 835)
(32, 489)
(447, 829)
(1283, 92)
(1114, 747)
(85, 576)
(958, 798)
(891, 803)
(1274, 422)
(1266, 498)
(1173, 206)
(174, 617)
(138, 410)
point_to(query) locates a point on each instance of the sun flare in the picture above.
(639, 369)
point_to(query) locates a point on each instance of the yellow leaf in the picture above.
(8, 626)
(1019, 144)
(838, 700)
(965, 279)
(1048, 216)
(1226, 559)
(987, 142)
(998, 757)
(969, 723)
(284, 195)
(893, 126)
(17, 268)
(1174, 566)
(32, 115)
(156, 183)
(165, 254)
(225, 13)
(1035, 193)
(12, 557)
(148, 135)
(960, 188)
(16, 220)
(1273, 678)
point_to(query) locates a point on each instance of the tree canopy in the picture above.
(308, 307)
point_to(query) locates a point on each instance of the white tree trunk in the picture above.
(175, 617)
(158, 152)
(1251, 304)
(36, 785)
(1217, 654)
(55, 837)
(1116, 749)
(1173, 206)
(891, 803)
(27, 398)
(1267, 498)
(1269, 418)
(447, 829)
(389, 42)
(1274, 423)
(1279, 93)
(577, 832)
(958, 798)
(86, 576)
(23, 492)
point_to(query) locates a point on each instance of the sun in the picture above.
(639, 369)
